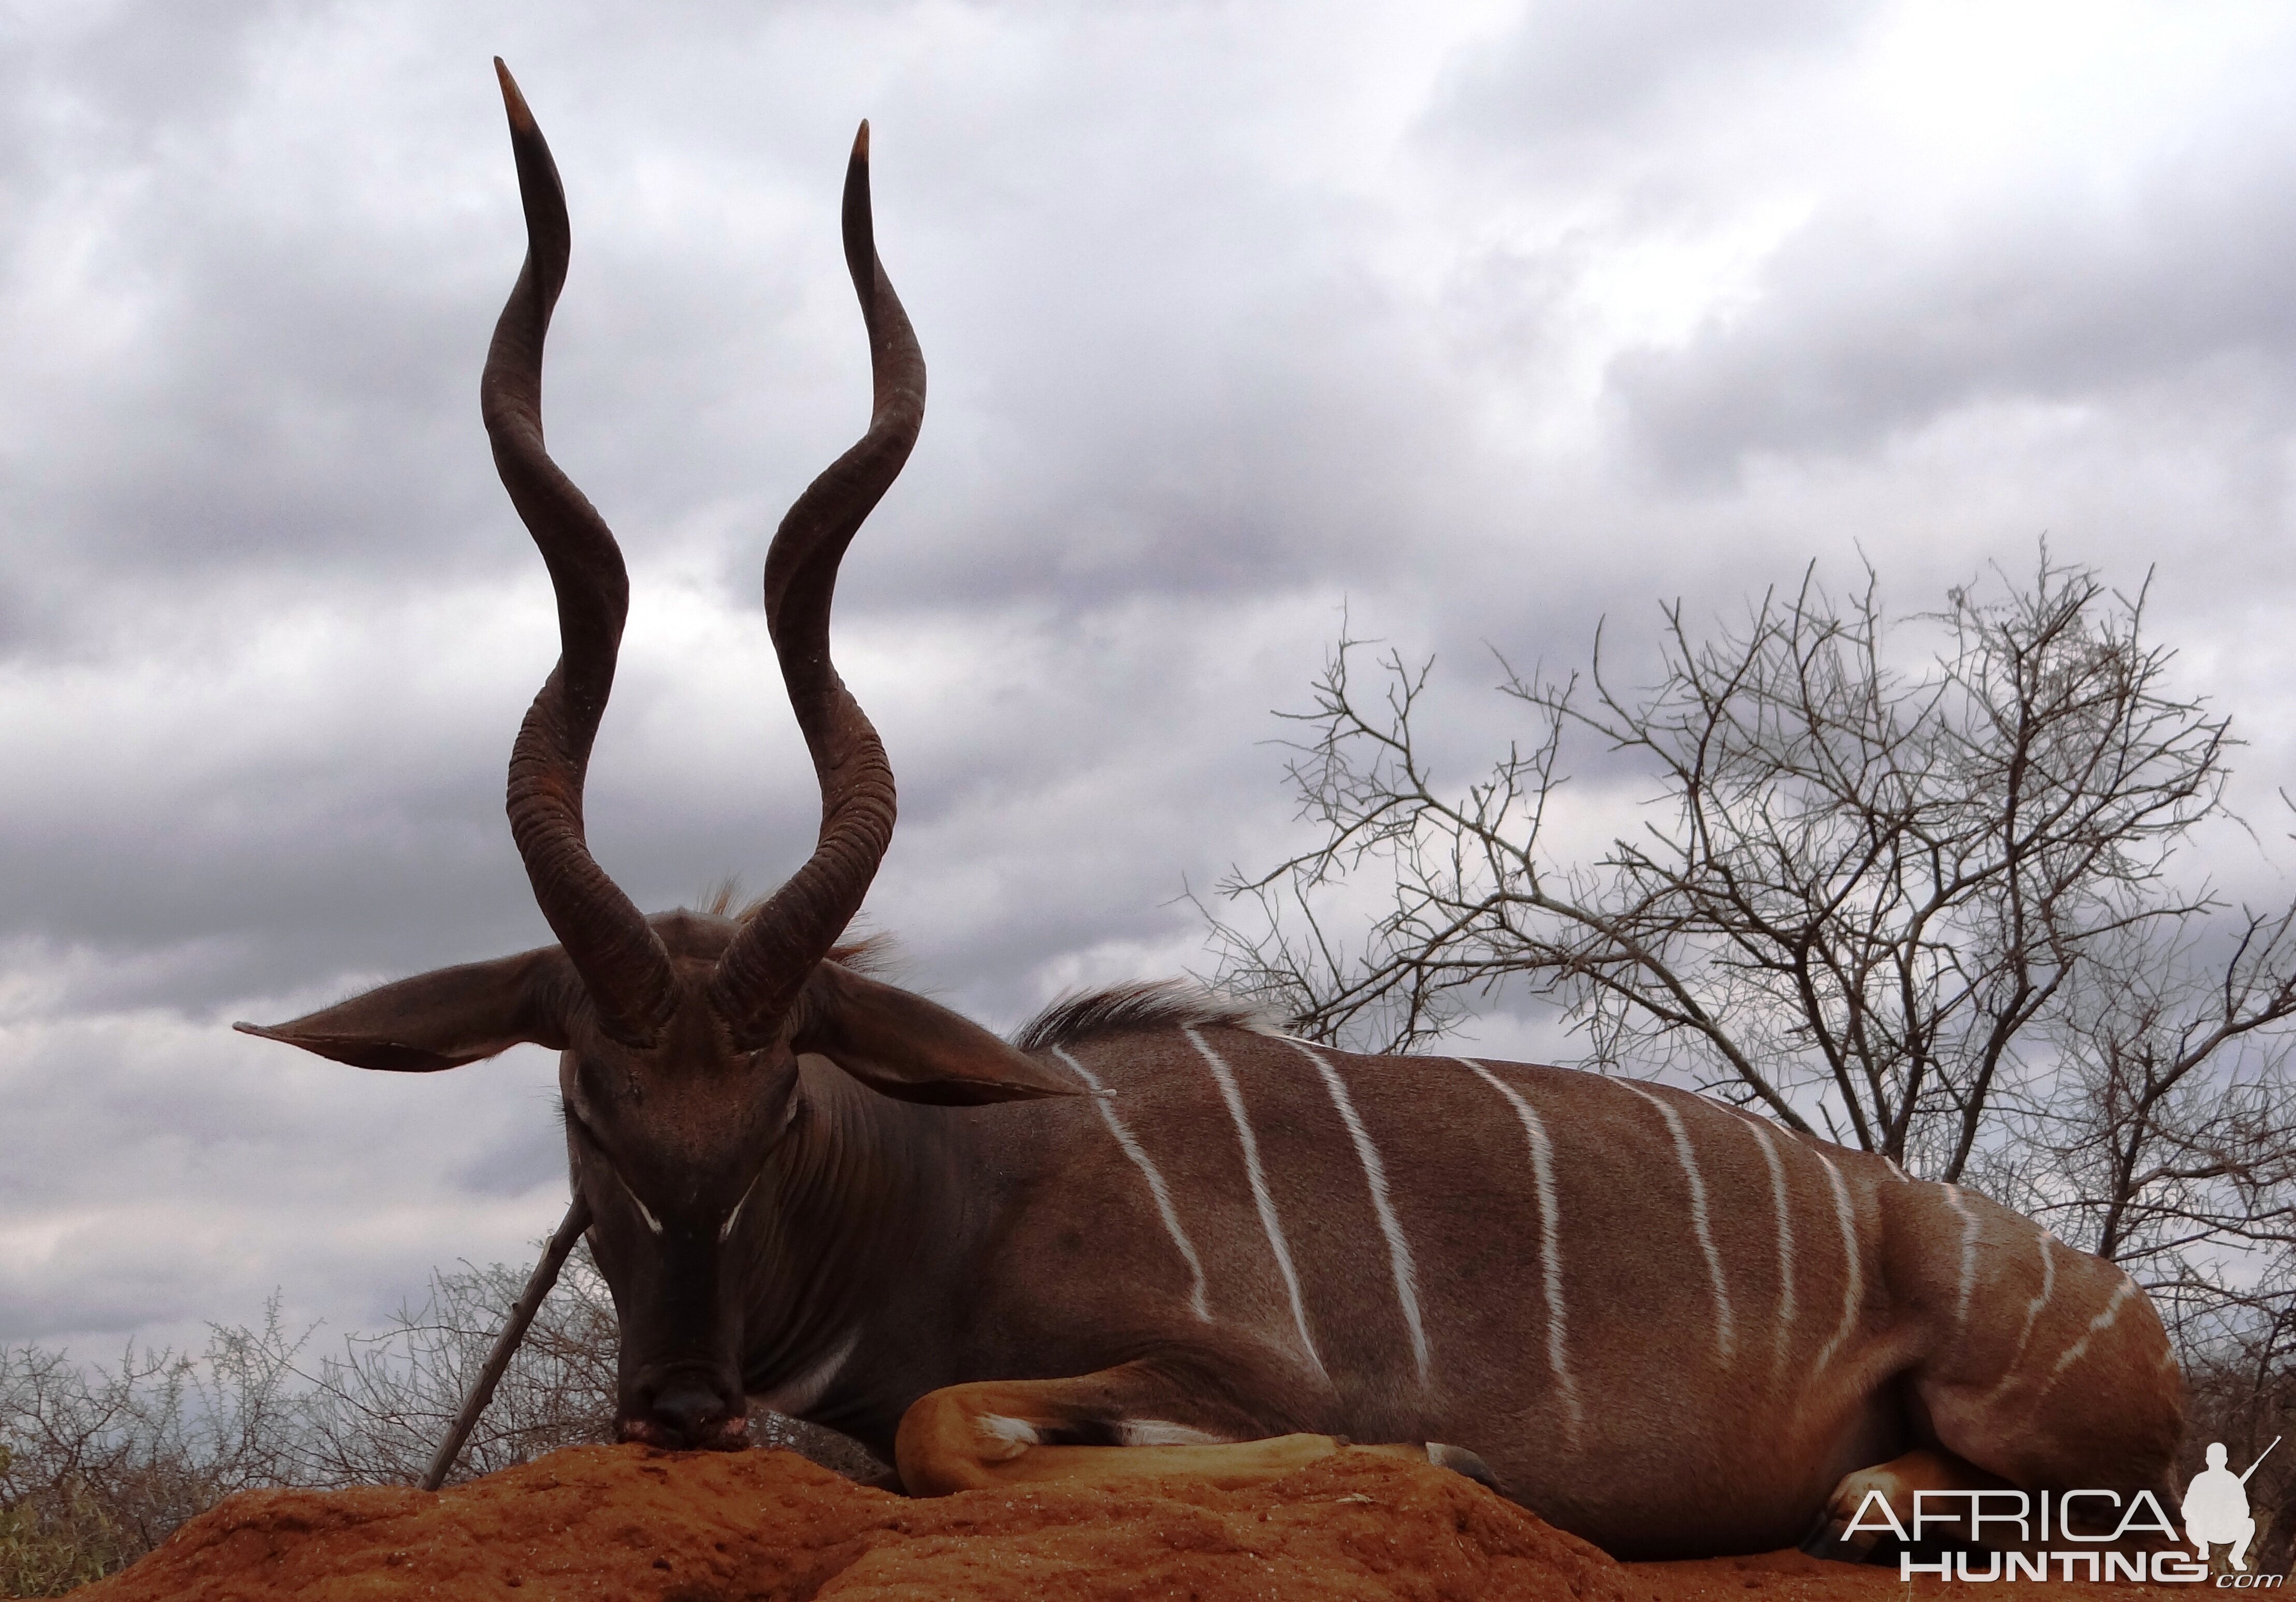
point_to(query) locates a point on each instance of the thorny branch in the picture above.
(1922, 906)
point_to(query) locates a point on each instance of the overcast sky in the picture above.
(1484, 321)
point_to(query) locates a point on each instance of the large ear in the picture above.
(442, 1019)
(908, 1048)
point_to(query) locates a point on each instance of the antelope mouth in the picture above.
(727, 1435)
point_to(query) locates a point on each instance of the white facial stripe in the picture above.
(1259, 1193)
(1398, 1251)
(727, 1229)
(1853, 1289)
(1955, 1199)
(645, 1211)
(1785, 1232)
(1157, 1189)
(1725, 1339)
(1550, 1236)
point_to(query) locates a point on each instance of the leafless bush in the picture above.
(1930, 909)
(98, 1464)
(375, 1414)
(2242, 1393)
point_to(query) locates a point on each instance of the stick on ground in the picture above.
(529, 1301)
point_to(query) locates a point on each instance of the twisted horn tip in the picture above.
(860, 141)
(521, 119)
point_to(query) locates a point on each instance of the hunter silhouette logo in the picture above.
(2215, 1507)
(2006, 1521)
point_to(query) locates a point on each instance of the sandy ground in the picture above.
(612, 1524)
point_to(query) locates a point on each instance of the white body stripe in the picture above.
(2011, 1375)
(1260, 1198)
(1157, 1189)
(1726, 1338)
(2073, 1353)
(2104, 1320)
(1783, 1207)
(1550, 1245)
(1853, 1289)
(1955, 1199)
(1399, 1250)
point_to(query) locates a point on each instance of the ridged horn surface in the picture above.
(760, 972)
(620, 959)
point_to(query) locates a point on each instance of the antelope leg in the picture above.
(991, 1433)
(1896, 1482)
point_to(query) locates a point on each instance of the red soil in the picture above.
(627, 1523)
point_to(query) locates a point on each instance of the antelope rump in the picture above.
(1190, 1245)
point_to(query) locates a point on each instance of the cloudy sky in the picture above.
(1483, 321)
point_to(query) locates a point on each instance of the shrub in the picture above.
(98, 1464)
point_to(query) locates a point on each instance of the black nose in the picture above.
(684, 1412)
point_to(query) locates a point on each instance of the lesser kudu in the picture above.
(1192, 1245)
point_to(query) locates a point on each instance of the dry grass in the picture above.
(99, 1463)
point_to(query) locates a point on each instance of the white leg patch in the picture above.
(1161, 1431)
(997, 1427)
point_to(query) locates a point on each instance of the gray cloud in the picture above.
(1600, 71)
(1859, 334)
(1235, 315)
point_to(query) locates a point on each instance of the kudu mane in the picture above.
(1137, 1010)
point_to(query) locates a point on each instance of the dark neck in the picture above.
(864, 1243)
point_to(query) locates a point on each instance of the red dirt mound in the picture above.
(626, 1522)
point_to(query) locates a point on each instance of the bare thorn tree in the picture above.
(1922, 906)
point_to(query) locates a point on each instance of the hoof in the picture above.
(1826, 1539)
(1458, 1460)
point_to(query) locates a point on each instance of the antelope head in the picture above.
(679, 1034)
